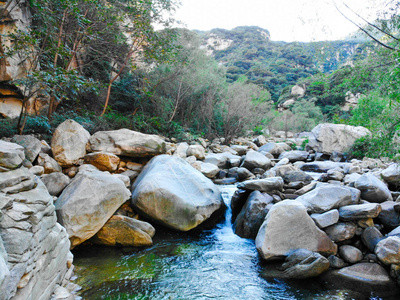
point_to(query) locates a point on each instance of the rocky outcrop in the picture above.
(88, 202)
(11, 156)
(328, 138)
(34, 248)
(171, 192)
(126, 142)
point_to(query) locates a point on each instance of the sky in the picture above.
(286, 20)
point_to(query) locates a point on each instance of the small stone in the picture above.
(350, 254)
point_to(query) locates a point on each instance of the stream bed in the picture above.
(212, 264)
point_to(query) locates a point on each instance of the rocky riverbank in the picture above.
(341, 221)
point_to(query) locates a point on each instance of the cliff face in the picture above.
(14, 15)
(34, 248)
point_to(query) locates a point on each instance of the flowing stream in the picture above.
(213, 264)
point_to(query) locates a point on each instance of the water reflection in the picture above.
(215, 264)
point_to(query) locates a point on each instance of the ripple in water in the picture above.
(215, 264)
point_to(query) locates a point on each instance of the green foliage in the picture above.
(7, 127)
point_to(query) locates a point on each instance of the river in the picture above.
(213, 264)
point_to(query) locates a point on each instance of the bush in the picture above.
(8, 127)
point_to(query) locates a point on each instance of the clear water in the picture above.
(215, 264)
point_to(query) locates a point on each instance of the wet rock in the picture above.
(350, 254)
(388, 250)
(359, 211)
(288, 227)
(371, 236)
(325, 198)
(389, 216)
(263, 185)
(125, 142)
(124, 231)
(372, 189)
(304, 263)
(172, 193)
(91, 193)
(238, 200)
(69, 143)
(252, 215)
(341, 231)
(326, 219)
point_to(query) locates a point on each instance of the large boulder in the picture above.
(88, 202)
(11, 155)
(372, 189)
(328, 138)
(360, 211)
(172, 193)
(69, 143)
(125, 142)
(124, 231)
(388, 250)
(288, 227)
(252, 215)
(325, 198)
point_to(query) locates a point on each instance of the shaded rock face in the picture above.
(304, 263)
(124, 231)
(252, 215)
(372, 189)
(126, 142)
(328, 138)
(88, 202)
(55, 182)
(288, 227)
(34, 248)
(69, 143)
(171, 192)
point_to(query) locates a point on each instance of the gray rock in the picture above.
(174, 194)
(91, 193)
(367, 277)
(272, 148)
(69, 143)
(326, 219)
(392, 174)
(49, 164)
(371, 236)
(241, 150)
(336, 262)
(37, 170)
(16, 181)
(335, 174)
(219, 159)
(295, 155)
(388, 250)
(244, 174)
(372, 189)
(181, 150)
(350, 179)
(295, 176)
(304, 263)
(341, 231)
(389, 216)
(395, 232)
(254, 160)
(11, 155)
(350, 254)
(283, 170)
(31, 145)
(55, 182)
(208, 170)
(197, 151)
(125, 142)
(360, 211)
(328, 138)
(252, 215)
(288, 227)
(325, 198)
(324, 166)
(263, 185)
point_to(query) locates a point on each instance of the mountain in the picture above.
(248, 51)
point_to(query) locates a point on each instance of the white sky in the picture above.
(286, 20)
